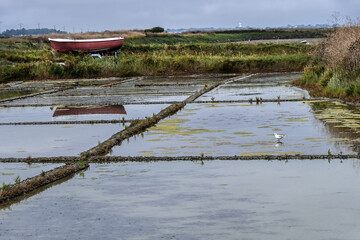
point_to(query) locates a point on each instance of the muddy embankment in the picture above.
(109, 159)
(30, 184)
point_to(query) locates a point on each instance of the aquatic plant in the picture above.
(5, 186)
(82, 162)
(42, 173)
(17, 180)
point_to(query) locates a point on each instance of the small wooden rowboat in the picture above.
(86, 45)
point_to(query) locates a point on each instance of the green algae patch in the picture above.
(314, 139)
(243, 133)
(337, 139)
(176, 120)
(171, 127)
(223, 143)
(300, 119)
(338, 113)
(148, 153)
(191, 109)
(294, 96)
(269, 153)
(5, 94)
(7, 174)
(242, 105)
(169, 153)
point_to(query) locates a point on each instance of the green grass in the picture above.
(5, 186)
(35, 61)
(332, 83)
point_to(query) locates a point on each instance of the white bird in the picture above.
(279, 136)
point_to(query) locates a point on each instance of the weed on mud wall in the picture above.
(334, 68)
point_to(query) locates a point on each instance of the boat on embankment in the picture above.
(65, 45)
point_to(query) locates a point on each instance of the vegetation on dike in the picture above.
(334, 68)
(33, 58)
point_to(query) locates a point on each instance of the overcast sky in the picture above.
(98, 15)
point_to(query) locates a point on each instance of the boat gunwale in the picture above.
(85, 40)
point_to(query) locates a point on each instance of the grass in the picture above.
(5, 186)
(17, 180)
(228, 36)
(156, 54)
(334, 69)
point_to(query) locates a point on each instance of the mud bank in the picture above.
(70, 122)
(40, 180)
(210, 158)
(41, 160)
(111, 159)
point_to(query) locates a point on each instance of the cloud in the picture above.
(129, 14)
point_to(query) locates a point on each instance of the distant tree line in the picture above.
(27, 32)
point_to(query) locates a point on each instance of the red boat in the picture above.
(86, 45)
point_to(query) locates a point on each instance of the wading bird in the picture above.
(279, 136)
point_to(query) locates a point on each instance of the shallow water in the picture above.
(52, 140)
(265, 86)
(151, 89)
(45, 114)
(9, 171)
(188, 200)
(219, 129)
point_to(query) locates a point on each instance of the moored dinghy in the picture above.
(64, 45)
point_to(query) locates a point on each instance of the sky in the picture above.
(100, 15)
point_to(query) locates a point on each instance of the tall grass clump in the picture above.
(334, 69)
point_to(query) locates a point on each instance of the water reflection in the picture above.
(68, 111)
(341, 121)
(86, 113)
(185, 200)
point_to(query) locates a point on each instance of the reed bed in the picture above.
(334, 69)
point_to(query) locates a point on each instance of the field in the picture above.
(157, 54)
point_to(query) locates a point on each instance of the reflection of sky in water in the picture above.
(52, 140)
(9, 171)
(265, 86)
(187, 200)
(44, 114)
(236, 129)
